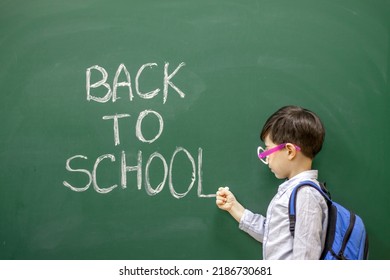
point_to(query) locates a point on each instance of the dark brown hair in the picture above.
(296, 125)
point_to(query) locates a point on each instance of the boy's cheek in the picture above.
(271, 168)
(274, 169)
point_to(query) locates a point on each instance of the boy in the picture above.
(292, 137)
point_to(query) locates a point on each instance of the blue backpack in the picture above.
(346, 237)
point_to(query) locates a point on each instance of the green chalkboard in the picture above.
(120, 119)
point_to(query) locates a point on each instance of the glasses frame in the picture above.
(263, 154)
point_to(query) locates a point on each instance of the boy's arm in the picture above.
(251, 223)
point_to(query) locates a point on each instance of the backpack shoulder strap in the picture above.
(293, 200)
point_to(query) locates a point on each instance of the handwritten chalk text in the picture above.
(123, 79)
(112, 90)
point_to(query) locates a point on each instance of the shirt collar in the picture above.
(305, 175)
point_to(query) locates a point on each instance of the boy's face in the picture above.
(278, 162)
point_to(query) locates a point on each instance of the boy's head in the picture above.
(296, 125)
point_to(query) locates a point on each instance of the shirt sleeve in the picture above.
(253, 224)
(310, 208)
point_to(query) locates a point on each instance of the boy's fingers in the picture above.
(223, 191)
(222, 196)
(219, 202)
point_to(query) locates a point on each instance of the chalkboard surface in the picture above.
(120, 119)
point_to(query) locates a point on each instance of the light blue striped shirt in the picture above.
(273, 230)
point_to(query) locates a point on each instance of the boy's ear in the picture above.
(291, 151)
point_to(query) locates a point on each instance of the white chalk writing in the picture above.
(122, 78)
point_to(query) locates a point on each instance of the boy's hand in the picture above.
(225, 199)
